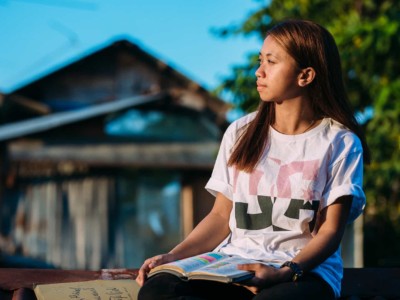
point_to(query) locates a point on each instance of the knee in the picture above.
(146, 292)
(158, 287)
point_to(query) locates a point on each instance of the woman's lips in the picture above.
(260, 87)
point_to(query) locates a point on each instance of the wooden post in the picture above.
(352, 244)
(3, 172)
(187, 209)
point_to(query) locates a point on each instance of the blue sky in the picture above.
(39, 35)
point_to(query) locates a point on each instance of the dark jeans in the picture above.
(167, 286)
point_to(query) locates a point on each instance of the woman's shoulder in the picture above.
(337, 129)
(241, 122)
(342, 138)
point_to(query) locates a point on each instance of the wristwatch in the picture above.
(296, 270)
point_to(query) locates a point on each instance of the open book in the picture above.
(88, 290)
(208, 266)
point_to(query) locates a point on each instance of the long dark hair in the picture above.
(310, 45)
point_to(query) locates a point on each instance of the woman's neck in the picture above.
(294, 118)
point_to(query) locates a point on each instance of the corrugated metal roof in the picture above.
(26, 127)
(115, 41)
(196, 155)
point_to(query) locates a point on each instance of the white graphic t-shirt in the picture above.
(276, 207)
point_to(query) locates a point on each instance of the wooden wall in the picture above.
(65, 224)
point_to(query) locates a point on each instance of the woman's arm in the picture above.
(327, 240)
(323, 245)
(207, 235)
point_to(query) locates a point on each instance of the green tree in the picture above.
(368, 36)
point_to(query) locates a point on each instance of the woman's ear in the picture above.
(306, 76)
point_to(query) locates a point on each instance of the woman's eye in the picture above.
(261, 61)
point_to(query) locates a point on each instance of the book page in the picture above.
(189, 264)
(226, 267)
(89, 290)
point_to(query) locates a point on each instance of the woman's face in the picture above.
(278, 74)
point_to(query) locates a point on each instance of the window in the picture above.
(162, 126)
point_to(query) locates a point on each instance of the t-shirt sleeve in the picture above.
(346, 178)
(221, 177)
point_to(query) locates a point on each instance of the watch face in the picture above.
(297, 271)
(296, 276)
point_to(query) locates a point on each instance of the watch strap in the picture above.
(296, 270)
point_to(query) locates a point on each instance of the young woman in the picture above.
(287, 179)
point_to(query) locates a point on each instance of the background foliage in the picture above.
(368, 36)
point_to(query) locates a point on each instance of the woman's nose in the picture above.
(259, 72)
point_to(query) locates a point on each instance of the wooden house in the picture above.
(104, 160)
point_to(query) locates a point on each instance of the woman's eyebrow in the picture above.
(267, 54)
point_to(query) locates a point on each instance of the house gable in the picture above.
(117, 71)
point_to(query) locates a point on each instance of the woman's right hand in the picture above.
(198, 241)
(151, 263)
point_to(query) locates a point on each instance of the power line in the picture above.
(71, 35)
(72, 42)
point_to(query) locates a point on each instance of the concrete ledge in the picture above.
(358, 283)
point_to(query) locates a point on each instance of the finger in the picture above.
(140, 278)
(142, 273)
(155, 261)
(252, 289)
(248, 267)
(153, 264)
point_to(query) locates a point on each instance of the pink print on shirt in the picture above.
(309, 171)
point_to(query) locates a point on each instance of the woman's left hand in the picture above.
(264, 276)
